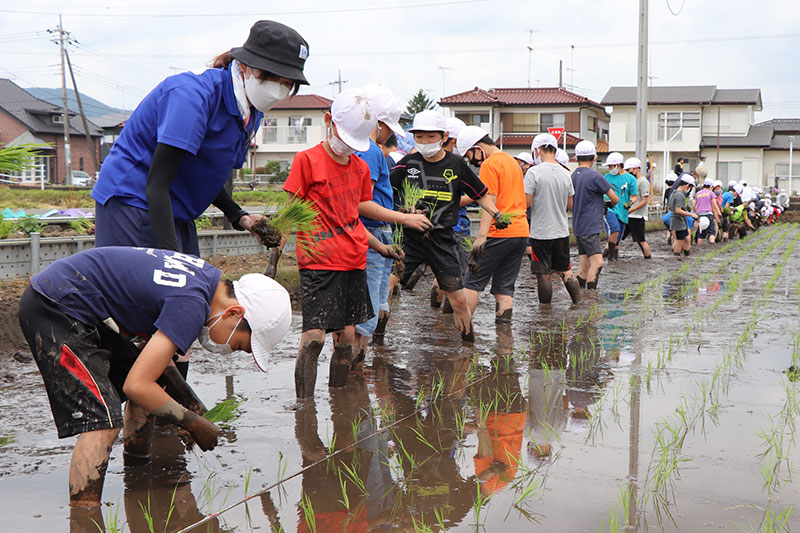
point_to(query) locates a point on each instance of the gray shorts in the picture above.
(589, 244)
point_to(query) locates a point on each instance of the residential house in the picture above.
(292, 126)
(786, 135)
(27, 119)
(515, 115)
(689, 121)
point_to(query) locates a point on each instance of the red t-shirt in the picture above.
(336, 190)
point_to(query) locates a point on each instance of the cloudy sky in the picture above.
(124, 49)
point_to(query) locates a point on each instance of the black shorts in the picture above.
(681, 234)
(439, 250)
(589, 244)
(333, 299)
(500, 263)
(83, 366)
(463, 254)
(711, 230)
(550, 255)
(636, 228)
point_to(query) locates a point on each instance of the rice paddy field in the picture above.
(668, 401)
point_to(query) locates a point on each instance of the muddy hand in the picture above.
(204, 433)
(390, 252)
(418, 222)
(479, 246)
(180, 390)
(499, 221)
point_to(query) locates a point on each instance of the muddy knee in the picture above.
(305, 370)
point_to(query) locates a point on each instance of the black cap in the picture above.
(275, 48)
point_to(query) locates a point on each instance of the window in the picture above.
(591, 123)
(473, 119)
(674, 121)
(269, 129)
(298, 129)
(730, 170)
(782, 170)
(58, 119)
(525, 122)
(551, 120)
(80, 163)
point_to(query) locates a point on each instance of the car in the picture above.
(81, 179)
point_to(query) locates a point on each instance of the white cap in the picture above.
(687, 178)
(743, 183)
(783, 190)
(525, 156)
(672, 177)
(268, 311)
(562, 156)
(757, 190)
(454, 127)
(354, 118)
(385, 105)
(739, 189)
(544, 139)
(632, 162)
(717, 183)
(469, 137)
(429, 120)
(708, 182)
(585, 148)
(704, 223)
(614, 158)
(733, 183)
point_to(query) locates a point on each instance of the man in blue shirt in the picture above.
(82, 315)
(625, 187)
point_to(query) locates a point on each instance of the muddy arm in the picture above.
(177, 388)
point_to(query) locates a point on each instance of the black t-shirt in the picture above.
(442, 183)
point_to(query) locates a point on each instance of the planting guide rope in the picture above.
(328, 457)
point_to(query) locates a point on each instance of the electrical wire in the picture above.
(679, 11)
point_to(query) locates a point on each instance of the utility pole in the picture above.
(791, 149)
(641, 88)
(339, 81)
(443, 69)
(67, 151)
(89, 142)
(560, 65)
(530, 53)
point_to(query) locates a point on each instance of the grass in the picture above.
(224, 412)
(6, 227)
(81, 224)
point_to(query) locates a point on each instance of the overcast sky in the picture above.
(125, 48)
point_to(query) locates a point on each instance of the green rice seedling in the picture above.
(224, 412)
(345, 500)
(111, 521)
(308, 512)
(439, 515)
(330, 442)
(478, 503)
(460, 418)
(353, 476)
(202, 222)
(424, 441)
(300, 216)
(148, 515)
(421, 526)
(507, 218)
(410, 195)
(356, 424)
(20, 157)
(7, 439)
(466, 244)
(420, 398)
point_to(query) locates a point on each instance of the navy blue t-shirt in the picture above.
(142, 289)
(196, 113)
(381, 186)
(587, 204)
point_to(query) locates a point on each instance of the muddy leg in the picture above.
(86, 520)
(305, 368)
(272, 263)
(87, 469)
(504, 305)
(341, 360)
(137, 435)
(360, 349)
(380, 329)
(436, 295)
(461, 314)
(571, 285)
(544, 288)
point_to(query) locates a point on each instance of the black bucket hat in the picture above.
(275, 48)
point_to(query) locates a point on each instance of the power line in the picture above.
(248, 14)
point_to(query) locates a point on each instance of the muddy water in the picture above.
(551, 424)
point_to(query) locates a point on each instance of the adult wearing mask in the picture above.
(180, 144)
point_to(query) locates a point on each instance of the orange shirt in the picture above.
(502, 175)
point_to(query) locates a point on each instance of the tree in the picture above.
(419, 102)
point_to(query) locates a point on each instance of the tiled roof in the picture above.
(37, 114)
(515, 140)
(518, 96)
(783, 125)
(305, 101)
(757, 137)
(687, 94)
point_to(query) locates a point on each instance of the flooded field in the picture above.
(663, 403)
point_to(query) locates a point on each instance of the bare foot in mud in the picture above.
(267, 233)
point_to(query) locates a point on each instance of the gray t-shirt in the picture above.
(551, 186)
(644, 191)
(677, 222)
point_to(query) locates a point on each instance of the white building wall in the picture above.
(734, 120)
(751, 159)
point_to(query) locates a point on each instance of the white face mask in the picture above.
(614, 171)
(338, 146)
(537, 157)
(214, 347)
(264, 94)
(429, 150)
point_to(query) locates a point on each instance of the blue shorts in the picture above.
(379, 269)
(614, 224)
(120, 224)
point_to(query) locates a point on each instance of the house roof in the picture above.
(518, 96)
(29, 138)
(783, 125)
(781, 142)
(305, 101)
(112, 120)
(515, 140)
(757, 137)
(37, 114)
(687, 94)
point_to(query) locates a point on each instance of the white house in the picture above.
(776, 158)
(690, 121)
(515, 115)
(292, 126)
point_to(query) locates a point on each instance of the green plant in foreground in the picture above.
(202, 222)
(28, 224)
(111, 521)
(224, 412)
(308, 512)
(19, 157)
(297, 215)
(410, 194)
(6, 227)
(81, 224)
(477, 505)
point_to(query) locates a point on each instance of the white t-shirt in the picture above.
(551, 186)
(644, 191)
